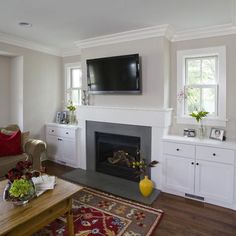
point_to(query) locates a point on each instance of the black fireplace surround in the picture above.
(111, 147)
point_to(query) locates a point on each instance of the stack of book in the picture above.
(43, 183)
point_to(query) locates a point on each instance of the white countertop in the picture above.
(229, 144)
(70, 126)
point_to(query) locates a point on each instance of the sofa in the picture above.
(32, 149)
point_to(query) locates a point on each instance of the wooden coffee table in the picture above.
(31, 217)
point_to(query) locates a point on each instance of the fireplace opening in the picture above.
(115, 152)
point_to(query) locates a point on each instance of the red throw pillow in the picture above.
(10, 144)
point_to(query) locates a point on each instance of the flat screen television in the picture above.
(120, 74)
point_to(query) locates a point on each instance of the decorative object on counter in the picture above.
(187, 97)
(217, 134)
(20, 188)
(145, 185)
(189, 133)
(85, 98)
(185, 132)
(199, 115)
(72, 115)
(58, 117)
(64, 117)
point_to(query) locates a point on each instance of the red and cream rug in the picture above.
(99, 214)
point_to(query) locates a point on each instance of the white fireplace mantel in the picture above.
(124, 115)
(158, 119)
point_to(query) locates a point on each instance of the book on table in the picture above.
(43, 183)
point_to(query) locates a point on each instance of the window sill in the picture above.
(206, 121)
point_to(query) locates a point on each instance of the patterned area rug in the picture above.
(99, 214)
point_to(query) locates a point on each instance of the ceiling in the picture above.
(59, 23)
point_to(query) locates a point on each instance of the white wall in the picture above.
(5, 67)
(154, 54)
(230, 43)
(42, 88)
(42, 91)
(16, 91)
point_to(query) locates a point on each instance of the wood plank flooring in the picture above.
(182, 217)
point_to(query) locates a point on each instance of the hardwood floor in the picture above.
(182, 217)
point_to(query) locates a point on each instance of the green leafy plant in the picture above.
(199, 115)
(21, 188)
(71, 107)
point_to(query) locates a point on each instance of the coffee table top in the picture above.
(12, 216)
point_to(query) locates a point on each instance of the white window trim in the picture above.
(67, 68)
(220, 51)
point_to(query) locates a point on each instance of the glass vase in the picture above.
(201, 131)
(72, 117)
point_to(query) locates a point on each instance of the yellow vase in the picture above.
(146, 186)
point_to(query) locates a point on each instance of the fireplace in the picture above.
(114, 153)
(110, 146)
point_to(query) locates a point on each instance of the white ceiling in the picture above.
(59, 23)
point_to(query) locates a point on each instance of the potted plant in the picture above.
(199, 115)
(20, 188)
(21, 191)
(145, 185)
(72, 109)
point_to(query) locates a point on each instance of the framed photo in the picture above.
(64, 117)
(58, 117)
(217, 134)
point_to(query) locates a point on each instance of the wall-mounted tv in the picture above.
(120, 74)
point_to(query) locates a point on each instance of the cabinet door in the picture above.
(55, 147)
(69, 152)
(179, 174)
(52, 146)
(214, 180)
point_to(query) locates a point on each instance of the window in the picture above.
(201, 76)
(73, 83)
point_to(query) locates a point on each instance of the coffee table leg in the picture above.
(69, 218)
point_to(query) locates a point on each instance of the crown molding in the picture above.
(20, 42)
(149, 32)
(3, 53)
(206, 32)
(73, 51)
(144, 33)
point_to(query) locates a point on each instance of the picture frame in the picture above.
(217, 134)
(58, 117)
(64, 117)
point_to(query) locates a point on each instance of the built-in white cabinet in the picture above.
(200, 169)
(179, 174)
(214, 180)
(62, 143)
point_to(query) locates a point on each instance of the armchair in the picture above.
(32, 150)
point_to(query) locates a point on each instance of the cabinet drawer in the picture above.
(215, 154)
(66, 133)
(52, 130)
(179, 149)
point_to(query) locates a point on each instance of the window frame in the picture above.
(220, 52)
(67, 69)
